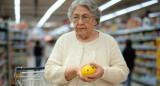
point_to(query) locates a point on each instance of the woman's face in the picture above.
(83, 21)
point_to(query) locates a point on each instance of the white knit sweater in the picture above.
(69, 52)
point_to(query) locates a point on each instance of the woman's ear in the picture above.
(95, 22)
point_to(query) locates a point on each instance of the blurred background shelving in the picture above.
(18, 49)
(4, 57)
(144, 42)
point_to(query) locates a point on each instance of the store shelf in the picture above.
(146, 38)
(147, 65)
(2, 62)
(19, 38)
(141, 47)
(18, 54)
(145, 83)
(140, 29)
(147, 57)
(144, 47)
(139, 39)
(18, 30)
(144, 72)
(19, 47)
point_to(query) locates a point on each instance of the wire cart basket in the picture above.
(30, 76)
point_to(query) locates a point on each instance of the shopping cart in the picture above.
(30, 76)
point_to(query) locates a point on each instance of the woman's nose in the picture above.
(80, 21)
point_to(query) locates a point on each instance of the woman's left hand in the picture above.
(90, 78)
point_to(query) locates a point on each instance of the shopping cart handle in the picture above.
(26, 68)
(29, 68)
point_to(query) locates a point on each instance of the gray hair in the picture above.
(92, 6)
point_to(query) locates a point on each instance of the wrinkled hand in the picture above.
(90, 78)
(71, 72)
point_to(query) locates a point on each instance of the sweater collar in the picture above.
(78, 42)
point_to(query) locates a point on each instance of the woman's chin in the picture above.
(82, 33)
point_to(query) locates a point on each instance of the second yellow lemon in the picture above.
(88, 70)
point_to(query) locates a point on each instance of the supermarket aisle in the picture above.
(31, 63)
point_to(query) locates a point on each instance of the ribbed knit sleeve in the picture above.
(54, 71)
(117, 71)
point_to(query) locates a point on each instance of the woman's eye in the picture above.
(75, 17)
(85, 17)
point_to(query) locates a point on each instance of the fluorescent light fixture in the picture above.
(108, 16)
(154, 14)
(149, 3)
(49, 24)
(120, 12)
(60, 30)
(17, 11)
(37, 30)
(108, 4)
(126, 10)
(55, 6)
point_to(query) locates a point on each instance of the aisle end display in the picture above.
(158, 61)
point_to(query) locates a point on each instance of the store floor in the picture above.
(31, 63)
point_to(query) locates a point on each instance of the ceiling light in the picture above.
(154, 14)
(108, 4)
(55, 6)
(49, 24)
(126, 10)
(37, 30)
(17, 11)
(149, 3)
(60, 30)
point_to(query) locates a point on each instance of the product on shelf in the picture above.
(134, 23)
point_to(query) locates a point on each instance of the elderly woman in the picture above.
(83, 46)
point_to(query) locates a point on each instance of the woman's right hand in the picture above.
(71, 72)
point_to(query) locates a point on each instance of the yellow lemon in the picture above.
(88, 70)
